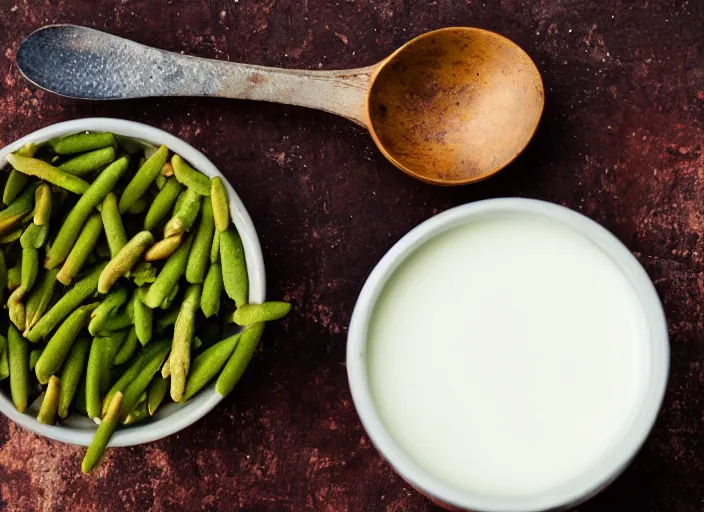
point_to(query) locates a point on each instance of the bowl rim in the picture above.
(200, 405)
(626, 444)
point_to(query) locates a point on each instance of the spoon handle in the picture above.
(79, 62)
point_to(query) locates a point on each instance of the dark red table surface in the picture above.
(620, 141)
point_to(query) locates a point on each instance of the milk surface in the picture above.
(504, 355)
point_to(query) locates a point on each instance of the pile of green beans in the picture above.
(121, 268)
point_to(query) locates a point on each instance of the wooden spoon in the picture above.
(452, 106)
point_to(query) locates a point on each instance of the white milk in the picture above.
(504, 355)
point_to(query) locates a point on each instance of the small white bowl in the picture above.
(172, 417)
(656, 362)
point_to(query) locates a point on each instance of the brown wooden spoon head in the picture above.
(455, 105)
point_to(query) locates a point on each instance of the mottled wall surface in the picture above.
(620, 141)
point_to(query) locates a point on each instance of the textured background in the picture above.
(620, 141)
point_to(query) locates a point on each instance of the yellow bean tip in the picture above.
(86, 467)
(63, 278)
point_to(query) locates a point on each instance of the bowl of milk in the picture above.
(508, 355)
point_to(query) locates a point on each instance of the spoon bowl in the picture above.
(455, 105)
(452, 106)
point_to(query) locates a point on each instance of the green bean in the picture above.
(102, 435)
(3, 346)
(93, 378)
(16, 308)
(49, 173)
(66, 304)
(166, 368)
(139, 206)
(4, 359)
(16, 180)
(163, 248)
(212, 289)
(60, 343)
(255, 313)
(3, 271)
(185, 213)
(84, 246)
(112, 342)
(170, 298)
(156, 393)
(234, 268)
(14, 185)
(215, 248)
(42, 204)
(138, 413)
(30, 267)
(116, 321)
(162, 204)
(124, 260)
(110, 303)
(129, 308)
(112, 221)
(50, 404)
(71, 374)
(81, 142)
(10, 236)
(181, 344)
(239, 360)
(21, 206)
(34, 357)
(39, 299)
(34, 236)
(139, 363)
(172, 270)
(140, 182)
(195, 345)
(139, 385)
(221, 205)
(207, 364)
(14, 276)
(102, 354)
(28, 149)
(166, 319)
(89, 162)
(142, 322)
(18, 352)
(128, 348)
(202, 243)
(189, 177)
(141, 292)
(93, 196)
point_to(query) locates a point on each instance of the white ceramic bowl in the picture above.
(625, 446)
(172, 417)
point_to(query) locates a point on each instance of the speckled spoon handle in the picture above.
(84, 63)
